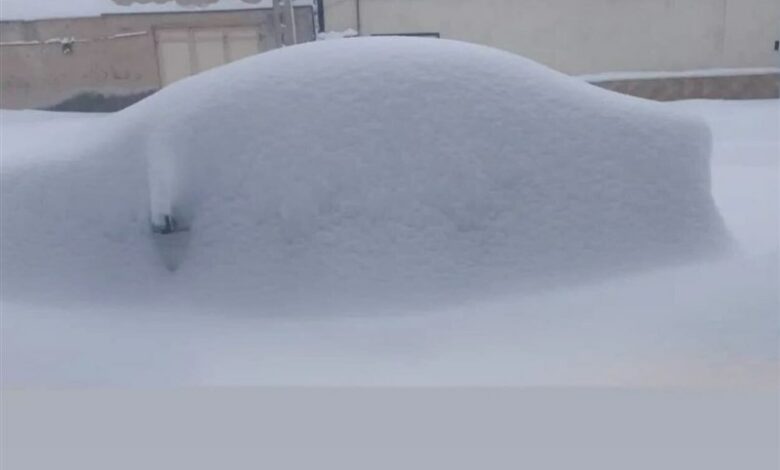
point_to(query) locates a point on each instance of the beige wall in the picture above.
(41, 76)
(113, 55)
(587, 36)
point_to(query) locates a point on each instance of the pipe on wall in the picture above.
(358, 17)
(321, 15)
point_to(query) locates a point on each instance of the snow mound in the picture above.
(376, 168)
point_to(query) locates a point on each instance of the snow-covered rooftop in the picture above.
(37, 9)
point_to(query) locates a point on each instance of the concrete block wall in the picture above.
(730, 87)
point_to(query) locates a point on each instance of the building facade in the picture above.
(586, 36)
(107, 62)
(659, 49)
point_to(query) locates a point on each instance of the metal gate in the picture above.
(188, 51)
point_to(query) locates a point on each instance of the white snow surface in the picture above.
(651, 75)
(373, 238)
(329, 35)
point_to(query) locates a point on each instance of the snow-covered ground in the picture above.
(714, 323)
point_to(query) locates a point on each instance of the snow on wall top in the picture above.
(37, 9)
(351, 172)
(616, 76)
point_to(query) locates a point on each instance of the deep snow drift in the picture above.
(86, 301)
(363, 173)
(701, 324)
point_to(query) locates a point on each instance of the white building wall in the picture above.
(587, 36)
(750, 23)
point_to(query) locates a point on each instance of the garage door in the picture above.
(185, 52)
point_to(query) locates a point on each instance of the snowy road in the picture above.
(707, 324)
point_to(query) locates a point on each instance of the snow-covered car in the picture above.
(360, 169)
